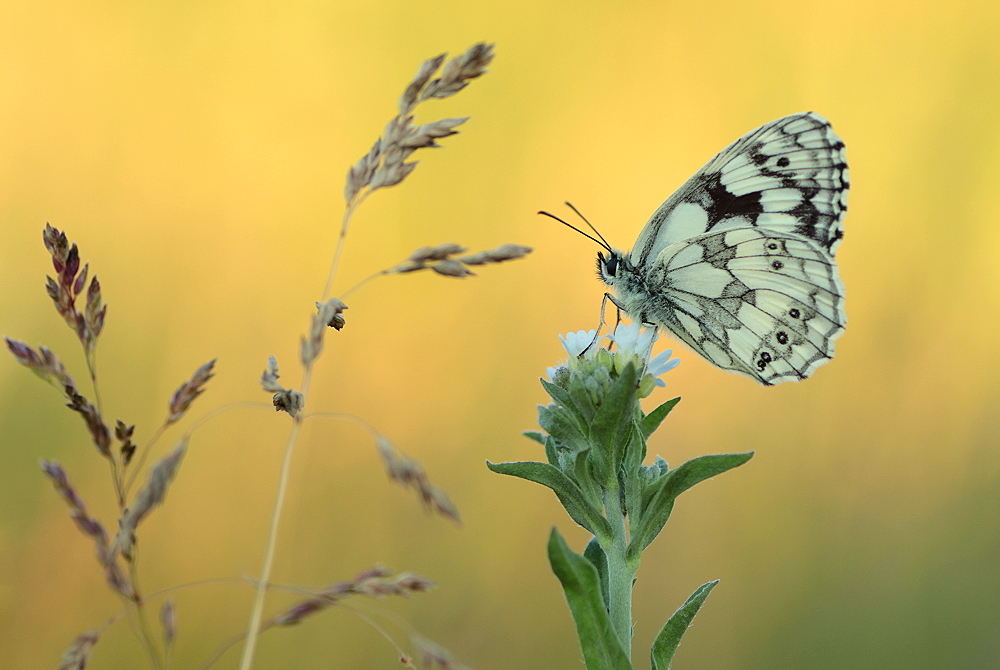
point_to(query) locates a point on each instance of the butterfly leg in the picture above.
(604, 303)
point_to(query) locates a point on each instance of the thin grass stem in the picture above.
(256, 613)
(344, 226)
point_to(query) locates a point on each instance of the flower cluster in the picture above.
(596, 367)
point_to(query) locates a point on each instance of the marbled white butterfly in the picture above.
(738, 263)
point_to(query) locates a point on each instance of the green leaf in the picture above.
(609, 429)
(569, 494)
(599, 560)
(633, 472)
(584, 403)
(563, 425)
(563, 397)
(602, 650)
(658, 499)
(653, 420)
(666, 642)
(551, 450)
(583, 475)
(534, 435)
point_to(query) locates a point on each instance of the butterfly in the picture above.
(739, 262)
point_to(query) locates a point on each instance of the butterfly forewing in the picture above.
(789, 175)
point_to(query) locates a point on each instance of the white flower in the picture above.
(660, 364)
(633, 340)
(632, 343)
(579, 342)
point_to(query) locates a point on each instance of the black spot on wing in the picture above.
(721, 203)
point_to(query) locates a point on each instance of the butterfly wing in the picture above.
(768, 304)
(787, 176)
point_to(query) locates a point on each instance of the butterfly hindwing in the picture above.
(764, 303)
(789, 175)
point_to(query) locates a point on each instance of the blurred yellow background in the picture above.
(197, 150)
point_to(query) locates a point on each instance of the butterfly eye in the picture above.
(611, 265)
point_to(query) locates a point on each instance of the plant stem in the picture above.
(246, 661)
(256, 614)
(620, 573)
(344, 226)
(146, 633)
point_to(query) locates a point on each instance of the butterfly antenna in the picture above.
(601, 241)
(596, 232)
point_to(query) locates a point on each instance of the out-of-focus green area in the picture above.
(197, 150)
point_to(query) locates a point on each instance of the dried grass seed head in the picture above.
(450, 268)
(289, 401)
(269, 378)
(459, 71)
(385, 164)
(411, 95)
(439, 253)
(360, 174)
(328, 314)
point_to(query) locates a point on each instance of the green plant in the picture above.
(595, 443)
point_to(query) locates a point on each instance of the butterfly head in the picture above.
(611, 267)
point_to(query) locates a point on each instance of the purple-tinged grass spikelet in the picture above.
(410, 473)
(148, 497)
(168, 620)
(89, 526)
(43, 363)
(76, 656)
(123, 434)
(64, 291)
(431, 656)
(96, 311)
(99, 431)
(189, 390)
(377, 583)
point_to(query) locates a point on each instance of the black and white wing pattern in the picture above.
(739, 262)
